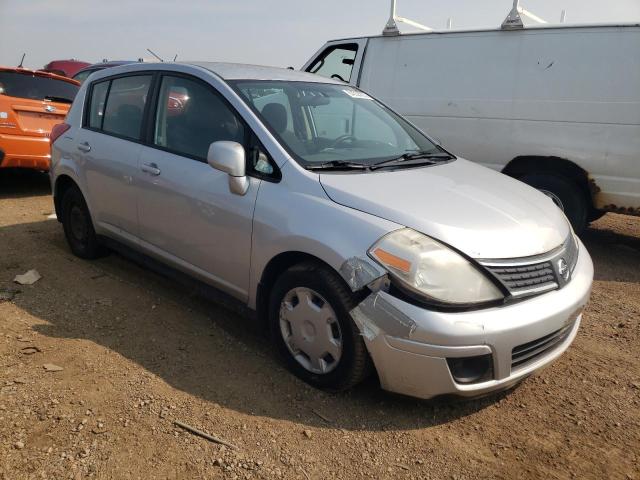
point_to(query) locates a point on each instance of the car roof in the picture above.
(38, 73)
(223, 70)
(239, 71)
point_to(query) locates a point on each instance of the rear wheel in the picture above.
(565, 193)
(312, 329)
(78, 227)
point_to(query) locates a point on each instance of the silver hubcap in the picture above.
(554, 197)
(310, 330)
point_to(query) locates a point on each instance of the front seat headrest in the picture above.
(276, 115)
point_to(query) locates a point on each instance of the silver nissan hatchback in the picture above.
(363, 243)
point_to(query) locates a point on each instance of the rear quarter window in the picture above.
(98, 98)
(24, 85)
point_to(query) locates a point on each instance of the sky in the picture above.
(268, 32)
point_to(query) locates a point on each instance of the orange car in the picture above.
(31, 103)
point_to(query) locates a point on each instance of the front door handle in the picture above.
(150, 168)
(84, 147)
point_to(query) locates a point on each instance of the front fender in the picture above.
(311, 223)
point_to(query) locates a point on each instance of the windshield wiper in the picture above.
(414, 158)
(338, 165)
(58, 99)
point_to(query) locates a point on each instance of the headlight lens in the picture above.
(432, 269)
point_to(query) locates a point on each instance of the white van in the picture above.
(557, 107)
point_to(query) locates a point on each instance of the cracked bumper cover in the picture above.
(409, 344)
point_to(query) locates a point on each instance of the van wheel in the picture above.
(565, 193)
(78, 227)
(313, 331)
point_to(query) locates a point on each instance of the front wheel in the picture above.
(566, 194)
(313, 331)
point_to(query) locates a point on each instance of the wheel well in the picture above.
(276, 267)
(520, 166)
(63, 183)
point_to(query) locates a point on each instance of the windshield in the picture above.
(320, 123)
(25, 85)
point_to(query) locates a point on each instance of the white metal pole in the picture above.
(563, 16)
(449, 23)
(391, 28)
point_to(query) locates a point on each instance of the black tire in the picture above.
(78, 227)
(568, 196)
(354, 364)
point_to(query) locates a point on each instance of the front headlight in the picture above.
(432, 270)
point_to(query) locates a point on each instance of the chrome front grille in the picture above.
(537, 274)
(524, 354)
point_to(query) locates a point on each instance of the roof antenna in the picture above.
(22, 61)
(174, 58)
(151, 52)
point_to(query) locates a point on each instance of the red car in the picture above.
(67, 68)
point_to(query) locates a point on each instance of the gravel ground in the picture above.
(137, 351)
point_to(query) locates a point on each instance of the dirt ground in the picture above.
(139, 351)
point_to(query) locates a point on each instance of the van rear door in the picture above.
(339, 59)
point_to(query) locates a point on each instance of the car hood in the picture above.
(483, 213)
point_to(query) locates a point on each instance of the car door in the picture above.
(109, 146)
(188, 216)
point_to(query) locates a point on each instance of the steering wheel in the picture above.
(342, 139)
(335, 75)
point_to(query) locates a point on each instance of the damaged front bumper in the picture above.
(420, 352)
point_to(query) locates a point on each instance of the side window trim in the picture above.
(104, 107)
(148, 116)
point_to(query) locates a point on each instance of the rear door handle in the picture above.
(150, 168)
(84, 147)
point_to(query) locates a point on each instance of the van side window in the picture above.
(125, 106)
(336, 62)
(98, 97)
(190, 116)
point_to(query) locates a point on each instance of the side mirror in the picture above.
(229, 157)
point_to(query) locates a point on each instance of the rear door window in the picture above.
(34, 87)
(336, 62)
(125, 106)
